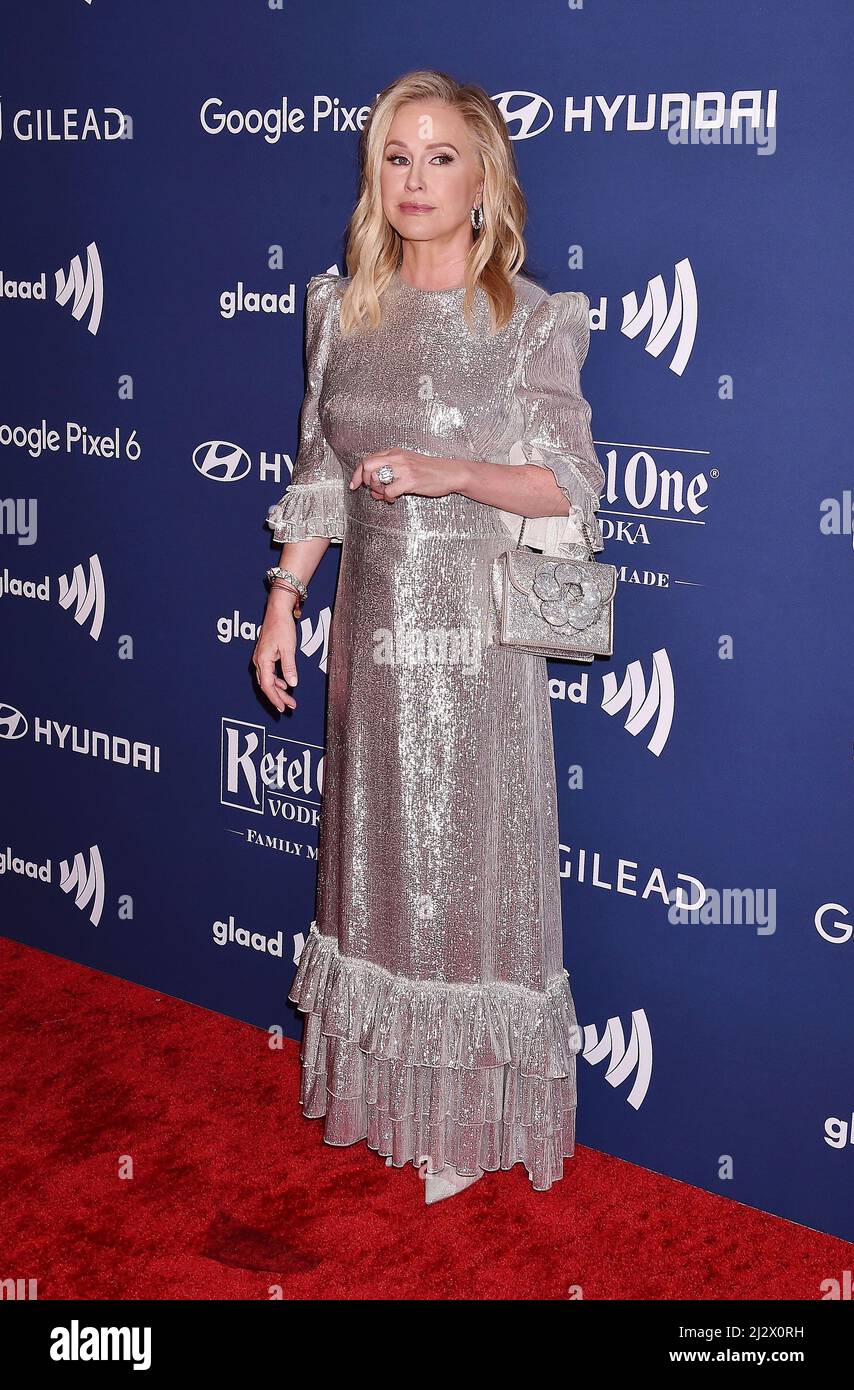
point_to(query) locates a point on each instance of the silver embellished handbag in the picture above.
(560, 606)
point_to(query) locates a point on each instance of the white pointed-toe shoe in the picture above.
(446, 1183)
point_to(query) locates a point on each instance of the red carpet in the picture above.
(234, 1192)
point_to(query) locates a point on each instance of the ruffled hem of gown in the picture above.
(309, 509)
(478, 1076)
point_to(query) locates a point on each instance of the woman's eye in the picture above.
(449, 158)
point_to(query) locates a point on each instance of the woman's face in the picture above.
(431, 176)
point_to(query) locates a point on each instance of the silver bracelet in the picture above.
(275, 573)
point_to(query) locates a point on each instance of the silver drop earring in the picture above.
(477, 217)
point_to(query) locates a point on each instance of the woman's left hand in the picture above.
(417, 473)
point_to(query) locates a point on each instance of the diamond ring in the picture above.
(385, 474)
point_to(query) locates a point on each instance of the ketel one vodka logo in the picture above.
(263, 772)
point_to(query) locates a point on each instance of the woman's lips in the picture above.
(415, 207)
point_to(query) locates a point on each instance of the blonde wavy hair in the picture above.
(374, 248)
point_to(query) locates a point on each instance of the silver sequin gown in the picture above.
(439, 1017)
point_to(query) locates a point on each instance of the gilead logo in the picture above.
(84, 1343)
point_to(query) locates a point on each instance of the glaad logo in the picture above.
(644, 703)
(220, 461)
(86, 593)
(313, 636)
(85, 881)
(531, 116)
(665, 320)
(624, 1060)
(85, 290)
(241, 300)
(228, 933)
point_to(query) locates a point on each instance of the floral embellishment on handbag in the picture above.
(566, 596)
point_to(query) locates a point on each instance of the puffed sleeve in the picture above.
(313, 503)
(556, 432)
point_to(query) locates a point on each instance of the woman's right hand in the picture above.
(277, 641)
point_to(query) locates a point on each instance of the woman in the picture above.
(440, 1026)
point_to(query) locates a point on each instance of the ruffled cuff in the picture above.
(549, 533)
(571, 477)
(309, 509)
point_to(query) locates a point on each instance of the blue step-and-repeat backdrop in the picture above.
(172, 177)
